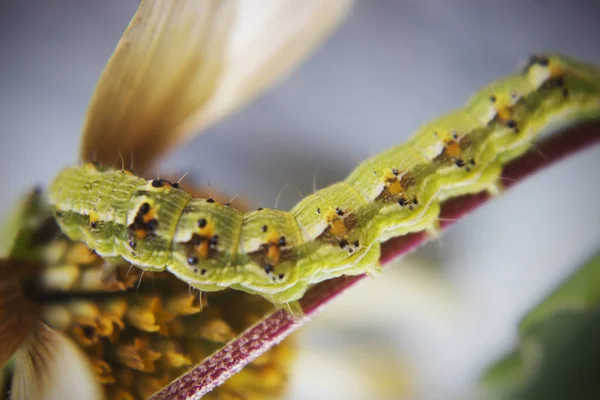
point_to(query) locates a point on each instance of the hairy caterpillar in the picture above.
(336, 230)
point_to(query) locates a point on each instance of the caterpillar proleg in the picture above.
(336, 230)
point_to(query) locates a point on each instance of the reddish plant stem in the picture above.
(276, 326)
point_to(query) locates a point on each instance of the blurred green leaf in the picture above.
(559, 345)
(17, 232)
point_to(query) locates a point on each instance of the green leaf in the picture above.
(559, 346)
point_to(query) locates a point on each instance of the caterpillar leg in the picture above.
(294, 308)
(374, 270)
(496, 188)
(487, 180)
(424, 220)
(434, 230)
(288, 298)
(369, 264)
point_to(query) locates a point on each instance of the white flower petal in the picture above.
(50, 366)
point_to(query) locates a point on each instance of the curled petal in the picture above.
(182, 65)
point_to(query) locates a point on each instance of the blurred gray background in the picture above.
(393, 66)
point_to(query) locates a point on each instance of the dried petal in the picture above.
(62, 277)
(182, 65)
(80, 254)
(103, 371)
(183, 304)
(146, 314)
(137, 356)
(17, 318)
(85, 331)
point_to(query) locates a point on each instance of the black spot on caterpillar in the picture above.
(336, 230)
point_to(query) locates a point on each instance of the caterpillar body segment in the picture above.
(336, 230)
(335, 223)
(270, 244)
(204, 251)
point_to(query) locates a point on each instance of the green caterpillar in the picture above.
(337, 230)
